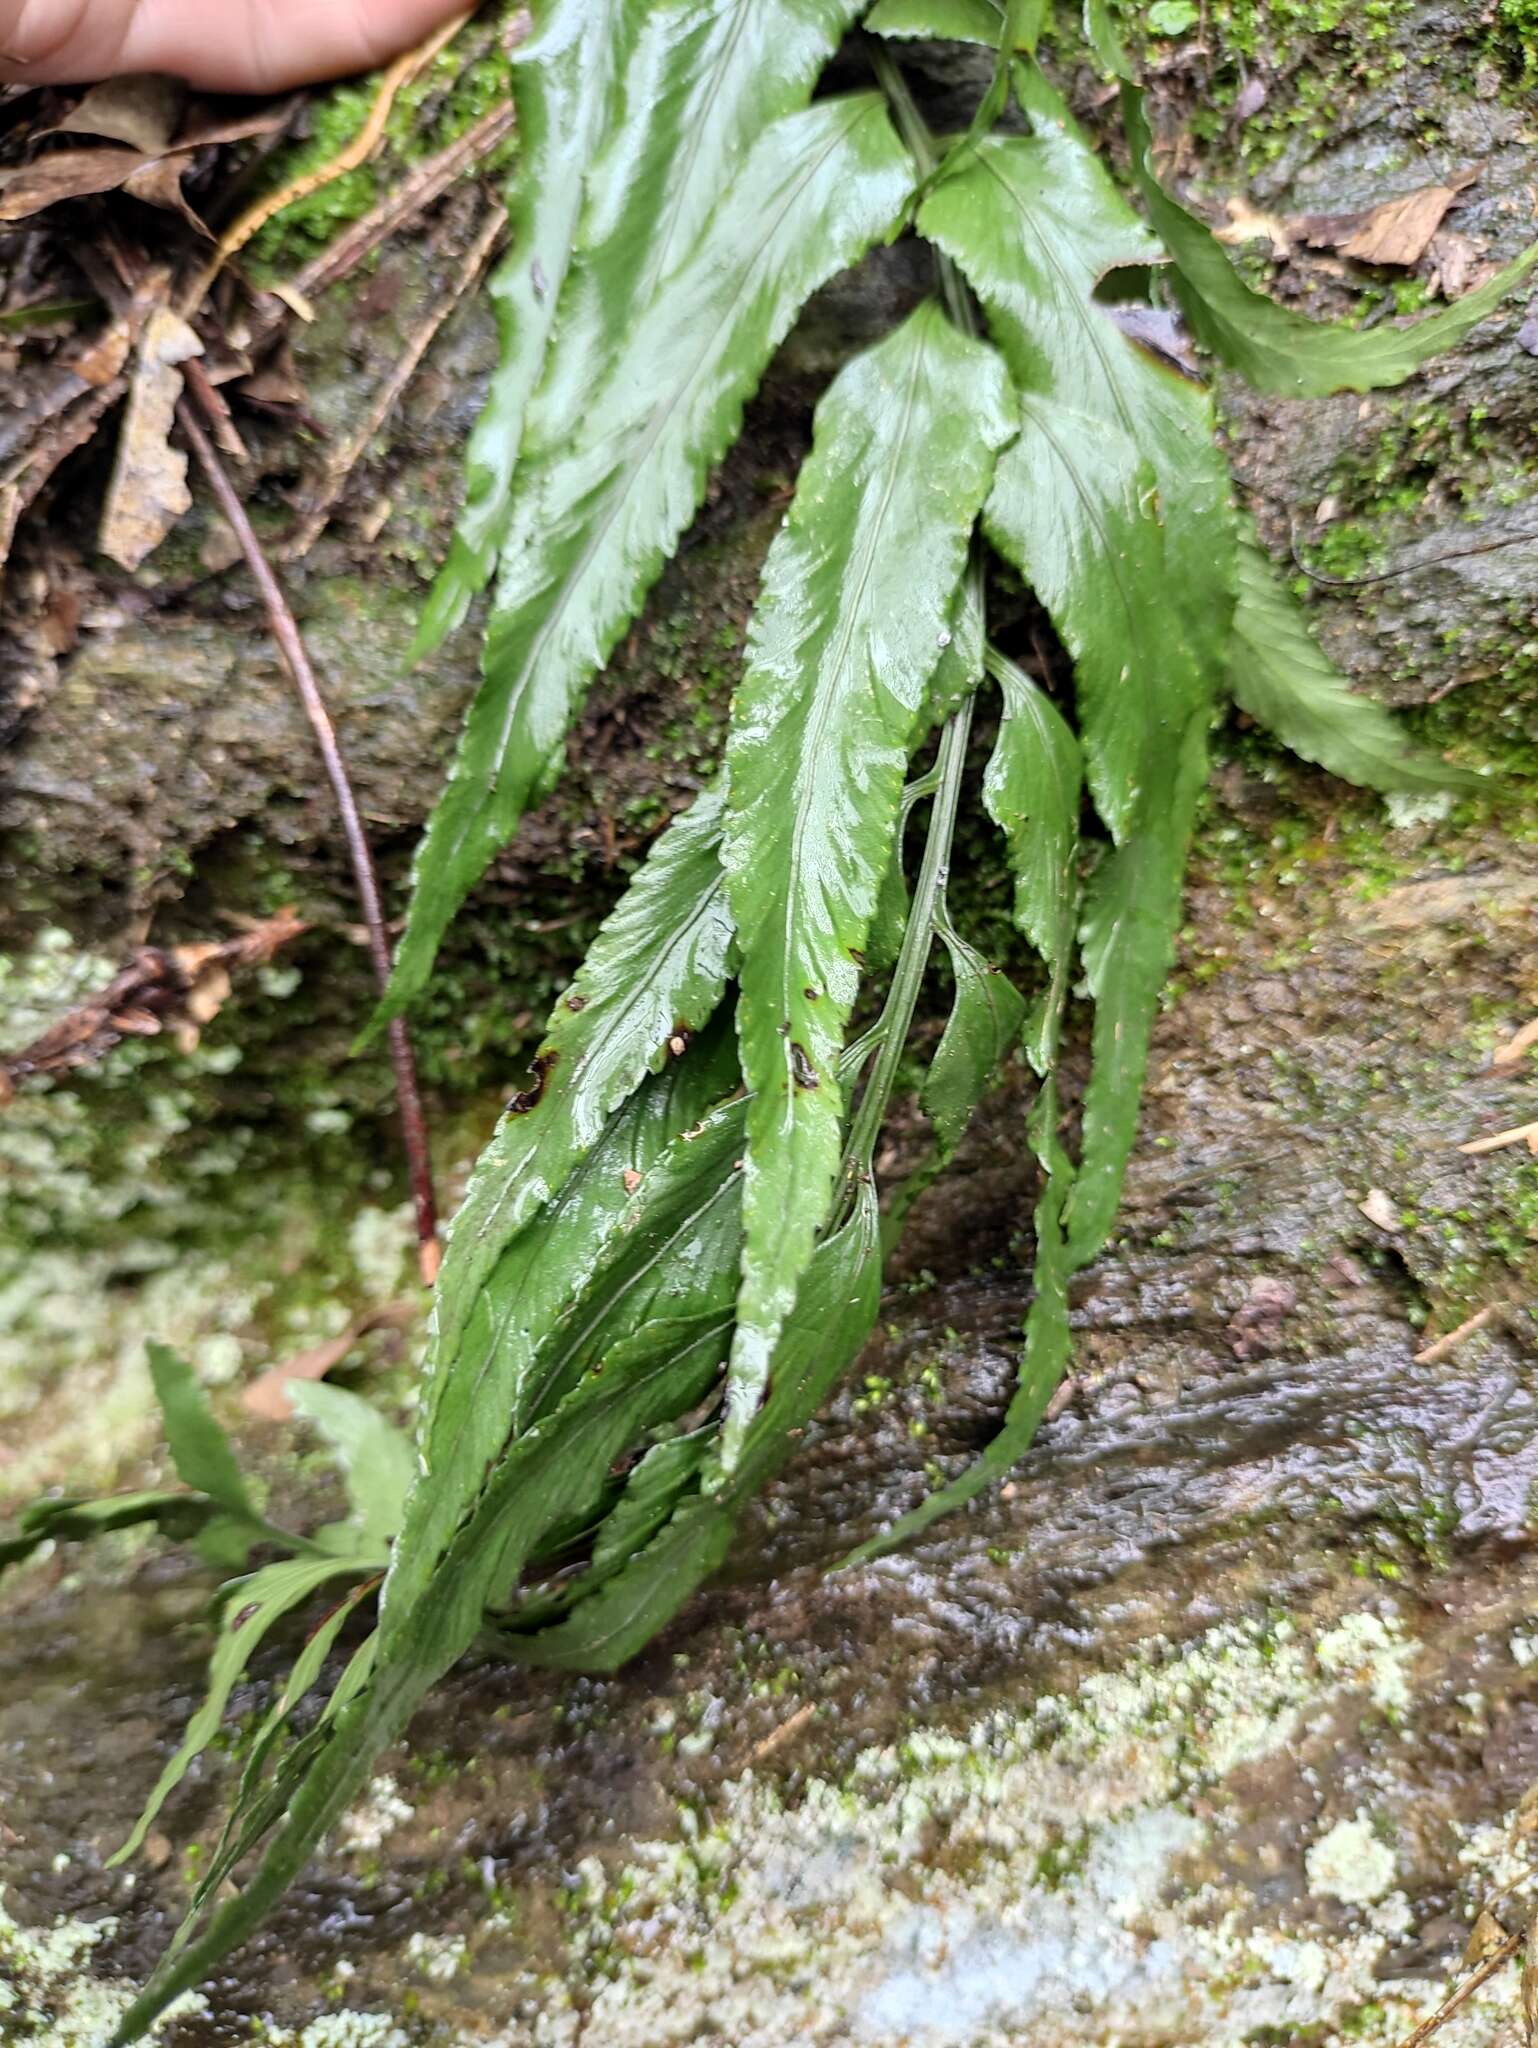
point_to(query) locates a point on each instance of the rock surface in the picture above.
(1212, 1727)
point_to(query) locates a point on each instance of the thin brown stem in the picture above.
(290, 642)
(1495, 1961)
(427, 183)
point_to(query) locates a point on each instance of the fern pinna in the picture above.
(671, 1248)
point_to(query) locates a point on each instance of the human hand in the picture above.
(220, 45)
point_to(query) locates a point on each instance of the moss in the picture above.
(461, 85)
(1512, 41)
(1348, 47)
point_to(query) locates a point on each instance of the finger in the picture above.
(221, 45)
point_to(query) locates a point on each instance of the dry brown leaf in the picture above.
(64, 174)
(1379, 1208)
(1530, 1982)
(269, 1396)
(144, 111)
(276, 381)
(1247, 224)
(148, 492)
(1456, 263)
(209, 123)
(159, 183)
(1396, 233)
(1485, 1937)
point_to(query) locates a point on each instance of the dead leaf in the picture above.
(159, 183)
(1247, 224)
(1485, 1937)
(209, 123)
(269, 1396)
(64, 174)
(1456, 263)
(148, 492)
(175, 988)
(1530, 1982)
(145, 111)
(277, 381)
(1378, 1208)
(1396, 233)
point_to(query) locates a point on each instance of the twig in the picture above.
(1444, 1347)
(1520, 1134)
(285, 631)
(1507, 1059)
(349, 157)
(778, 1737)
(1495, 1961)
(179, 989)
(1486, 547)
(341, 461)
(427, 183)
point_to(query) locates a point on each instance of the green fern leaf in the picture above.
(984, 1029)
(958, 21)
(834, 1314)
(252, 1607)
(377, 1461)
(856, 594)
(1275, 348)
(199, 1448)
(602, 504)
(1114, 505)
(633, 118)
(653, 977)
(1285, 681)
(1032, 790)
(1048, 1347)
(1100, 32)
(487, 1366)
(562, 76)
(180, 1516)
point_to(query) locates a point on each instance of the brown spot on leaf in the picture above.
(530, 1098)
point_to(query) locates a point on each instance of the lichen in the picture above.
(926, 1893)
(1350, 1863)
(134, 1206)
(49, 1996)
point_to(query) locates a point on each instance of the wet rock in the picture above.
(1212, 1725)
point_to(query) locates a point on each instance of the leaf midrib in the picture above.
(825, 700)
